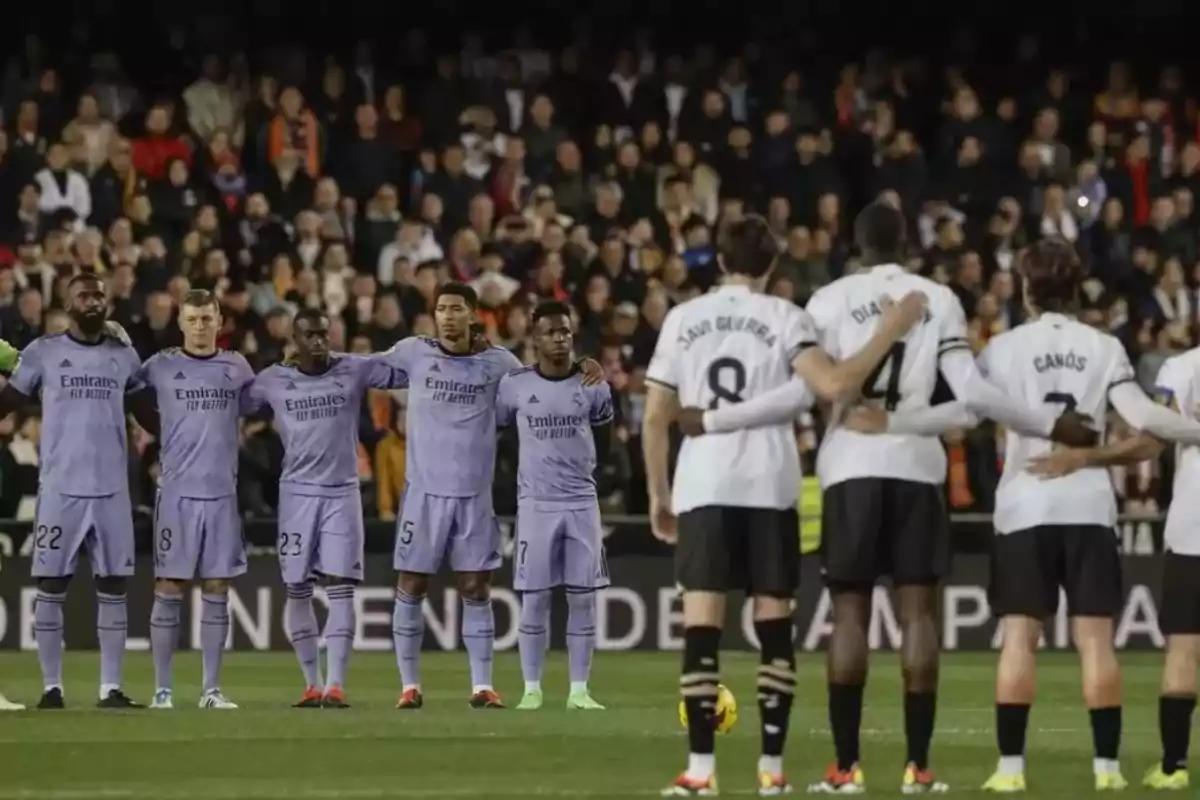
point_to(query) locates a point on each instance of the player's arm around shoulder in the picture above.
(843, 381)
(141, 400)
(506, 397)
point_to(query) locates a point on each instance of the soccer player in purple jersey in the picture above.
(316, 400)
(447, 507)
(87, 379)
(562, 427)
(197, 527)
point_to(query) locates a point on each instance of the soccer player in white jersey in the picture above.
(883, 512)
(1178, 388)
(735, 495)
(1058, 532)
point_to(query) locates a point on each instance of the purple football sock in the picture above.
(581, 633)
(164, 635)
(112, 628)
(408, 633)
(479, 637)
(533, 635)
(48, 631)
(339, 631)
(301, 623)
(214, 631)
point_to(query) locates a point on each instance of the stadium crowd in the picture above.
(598, 176)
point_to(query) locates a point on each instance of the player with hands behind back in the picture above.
(197, 525)
(563, 427)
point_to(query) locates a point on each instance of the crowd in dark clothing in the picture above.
(598, 176)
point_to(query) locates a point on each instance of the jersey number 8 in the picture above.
(726, 381)
(884, 381)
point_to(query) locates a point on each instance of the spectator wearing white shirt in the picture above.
(415, 242)
(63, 187)
(1056, 220)
(211, 103)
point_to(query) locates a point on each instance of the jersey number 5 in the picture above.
(726, 381)
(884, 381)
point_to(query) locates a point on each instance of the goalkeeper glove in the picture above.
(9, 356)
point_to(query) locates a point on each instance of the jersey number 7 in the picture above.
(884, 381)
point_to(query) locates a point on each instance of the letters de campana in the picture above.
(748, 325)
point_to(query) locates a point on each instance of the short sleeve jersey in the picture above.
(554, 418)
(451, 415)
(199, 407)
(1058, 361)
(84, 448)
(846, 315)
(317, 418)
(726, 347)
(1178, 387)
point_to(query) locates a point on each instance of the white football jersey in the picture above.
(1060, 362)
(725, 347)
(1178, 387)
(846, 315)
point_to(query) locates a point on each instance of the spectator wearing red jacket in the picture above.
(157, 148)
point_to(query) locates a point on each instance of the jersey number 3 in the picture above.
(884, 381)
(726, 381)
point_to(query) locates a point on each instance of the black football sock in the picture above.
(1175, 728)
(920, 711)
(1106, 732)
(1012, 723)
(699, 686)
(845, 721)
(776, 682)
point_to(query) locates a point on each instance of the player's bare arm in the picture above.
(837, 382)
(11, 400)
(1063, 461)
(143, 405)
(662, 407)
(602, 438)
(1143, 414)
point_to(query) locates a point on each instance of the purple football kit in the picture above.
(447, 506)
(83, 494)
(559, 535)
(320, 509)
(197, 527)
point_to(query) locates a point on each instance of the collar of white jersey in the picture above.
(1054, 317)
(734, 288)
(886, 269)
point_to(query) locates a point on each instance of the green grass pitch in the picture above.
(269, 750)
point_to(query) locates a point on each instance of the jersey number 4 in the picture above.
(884, 381)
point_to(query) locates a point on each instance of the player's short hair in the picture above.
(84, 277)
(459, 290)
(880, 228)
(198, 298)
(550, 308)
(747, 247)
(1053, 273)
(308, 314)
